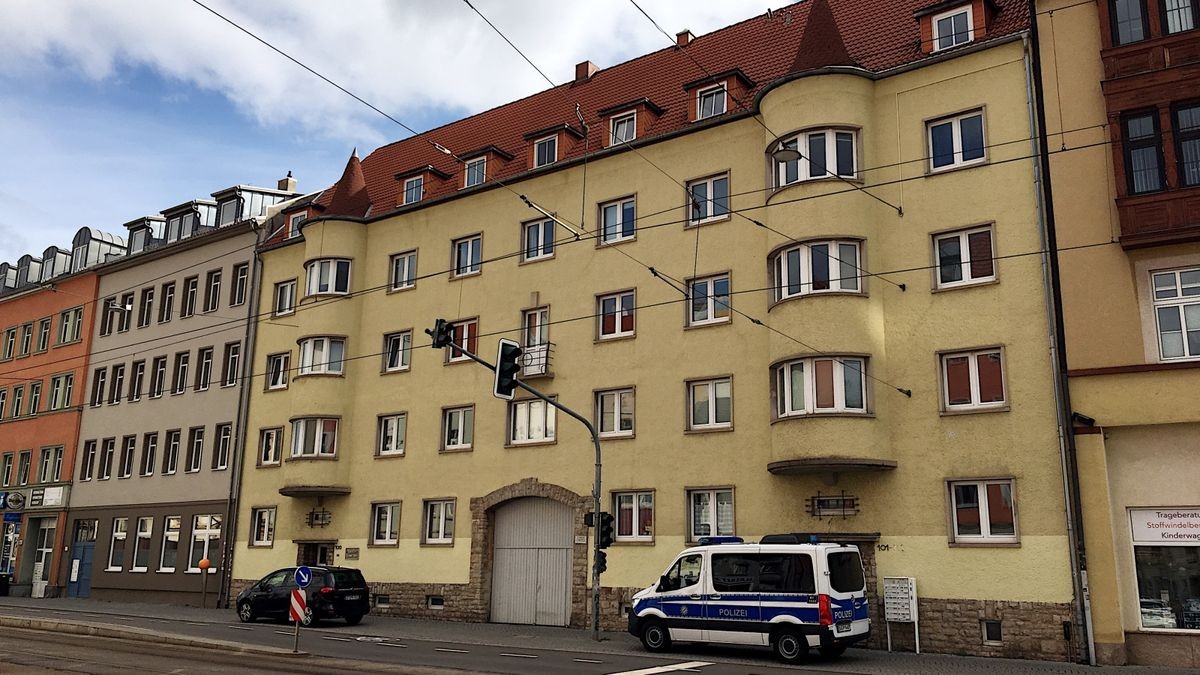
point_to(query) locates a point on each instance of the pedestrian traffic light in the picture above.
(601, 561)
(442, 334)
(607, 532)
(508, 354)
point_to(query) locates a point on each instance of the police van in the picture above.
(790, 596)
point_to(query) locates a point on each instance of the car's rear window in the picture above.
(845, 571)
(345, 578)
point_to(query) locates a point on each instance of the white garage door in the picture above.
(531, 562)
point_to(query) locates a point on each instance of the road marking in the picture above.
(690, 666)
(339, 639)
(520, 656)
(586, 661)
(283, 632)
(195, 624)
(393, 644)
(452, 651)
(241, 628)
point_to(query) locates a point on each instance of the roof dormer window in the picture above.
(710, 102)
(623, 128)
(227, 213)
(545, 151)
(953, 28)
(414, 189)
(475, 172)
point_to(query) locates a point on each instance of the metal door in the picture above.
(531, 562)
(79, 584)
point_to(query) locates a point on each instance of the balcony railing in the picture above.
(535, 359)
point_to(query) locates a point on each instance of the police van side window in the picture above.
(785, 573)
(732, 572)
(685, 572)
(845, 572)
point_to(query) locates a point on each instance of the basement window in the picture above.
(435, 602)
(992, 634)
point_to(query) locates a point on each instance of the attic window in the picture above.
(474, 172)
(414, 189)
(294, 221)
(623, 128)
(953, 28)
(710, 102)
(545, 151)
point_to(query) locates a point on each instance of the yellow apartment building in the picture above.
(850, 340)
(1123, 135)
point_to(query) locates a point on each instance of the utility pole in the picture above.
(443, 337)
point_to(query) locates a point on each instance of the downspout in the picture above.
(239, 446)
(1052, 286)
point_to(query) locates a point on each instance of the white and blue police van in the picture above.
(789, 596)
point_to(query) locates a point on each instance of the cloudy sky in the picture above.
(113, 109)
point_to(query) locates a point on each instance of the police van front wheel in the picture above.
(790, 646)
(655, 637)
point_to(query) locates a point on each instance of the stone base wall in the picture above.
(1030, 630)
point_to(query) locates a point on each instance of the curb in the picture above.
(132, 633)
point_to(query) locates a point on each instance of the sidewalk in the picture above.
(861, 661)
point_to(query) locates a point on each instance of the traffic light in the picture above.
(607, 532)
(442, 334)
(601, 561)
(508, 355)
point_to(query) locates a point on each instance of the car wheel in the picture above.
(833, 651)
(353, 619)
(246, 612)
(655, 637)
(790, 646)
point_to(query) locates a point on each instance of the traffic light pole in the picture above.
(595, 485)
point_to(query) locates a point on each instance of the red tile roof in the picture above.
(350, 196)
(876, 35)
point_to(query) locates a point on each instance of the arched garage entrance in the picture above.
(532, 562)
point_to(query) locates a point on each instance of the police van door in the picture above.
(682, 598)
(732, 604)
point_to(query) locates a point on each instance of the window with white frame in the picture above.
(634, 516)
(187, 304)
(545, 151)
(820, 384)
(1177, 312)
(710, 101)
(50, 468)
(149, 451)
(206, 542)
(618, 221)
(708, 199)
(99, 382)
(141, 549)
(709, 300)
(70, 325)
(458, 428)
(956, 141)
(115, 392)
(6, 472)
(35, 393)
(43, 341)
(231, 368)
(137, 380)
(414, 189)
(614, 413)
(240, 286)
(10, 342)
(86, 464)
(392, 430)
(530, 421)
(964, 257)
(158, 376)
(824, 153)
(973, 380)
(25, 459)
(385, 524)
(262, 526)
(475, 172)
(18, 408)
(270, 446)
(710, 404)
(816, 267)
(171, 452)
(212, 291)
(538, 238)
(953, 28)
(466, 336)
(616, 315)
(222, 446)
(468, 253)
(328, 277)
(983, 511)
(322, 356)
(623, 128)
(314, 437)
(404, 270)
(116, 548)
(128, 450)
(439, 521)
(195, 450)
(107, 449)
(204, 360)
(397, 351)
(166, 307)
(710, 513)
(294, 222)
(170, 543)
(285, 298)
(180, 379)
(277, 370)
(146, 308)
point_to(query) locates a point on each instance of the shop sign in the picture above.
(1178, 526)
(14, 501)
(14, 517)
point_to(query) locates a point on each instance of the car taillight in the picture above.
(326, 591)
(823, 611)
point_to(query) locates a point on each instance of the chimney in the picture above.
(584, 71)
(683, 38)
(287, 184)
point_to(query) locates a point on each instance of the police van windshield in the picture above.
(685, 572)
(845, 571)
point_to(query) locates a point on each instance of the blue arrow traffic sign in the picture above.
(303, 576)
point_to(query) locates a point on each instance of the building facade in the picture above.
(47, 305)
(849, 340)
(1123, 131)
(160, 430)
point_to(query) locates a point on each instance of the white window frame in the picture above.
(711, 384)
(612, 422)
(231, 365)
(436, 511)
(635, 502)
(397, 351)
(710, 203)
(284, 301)
(327, 267)
(785, 404)
(806, 168)
(629, 117)
(713, 495)
(194, 459)
(474, 249)
(540, 252)
(964, 249)
(618, 312)
(470, 172)
(128, 455)
(712, 303)
(464, 418)
(985, 521)
(262, 526)
(781, 269)
(387, 515)
(222, 446)
(301, 432)
(270, 446)
(537, 145)
(391, 437)
(204, 361)
(527, 416)
(158, 376)
(149, 453)
(170, 534)
(973, 357)
(120, 532)
(87, 463)
(278, 366)
(212, 291)
(209, 533)
(309, 347)
(1184, 296)
(618, 235)
(187, 302)
(146, 533)
(179, 377)
(956, 135)
(99, 382)
(722, 89)
(955, 39)
(241, 284)
(415, 184)
(174, 441)
(402, 270)
(294, 222)
(470, 332)
(137, 378)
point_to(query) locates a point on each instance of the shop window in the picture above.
(1166, 554)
